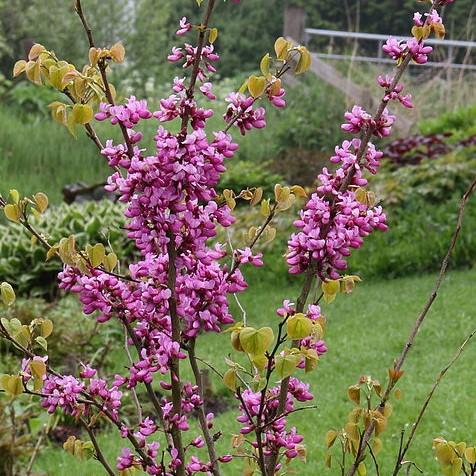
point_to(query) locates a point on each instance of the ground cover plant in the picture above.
(180, 286)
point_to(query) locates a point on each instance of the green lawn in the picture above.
(366, 331)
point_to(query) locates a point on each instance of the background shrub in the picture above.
(22, 262)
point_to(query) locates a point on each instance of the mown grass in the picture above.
(366, 331)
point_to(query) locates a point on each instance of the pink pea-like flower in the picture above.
(206, 89)
(418, 51)
(394, 48)
(246, 256)
(185, 27)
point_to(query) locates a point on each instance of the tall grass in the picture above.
(39, 155)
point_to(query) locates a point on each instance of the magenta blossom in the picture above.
(185, 26)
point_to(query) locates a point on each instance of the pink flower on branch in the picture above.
(185, 27)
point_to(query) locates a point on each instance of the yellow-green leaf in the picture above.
(94, 54)
(330, 289)
(299, 326)
(41, 201)
(298, 191)
(354, 393)
(213, 35)
(19, 68)
(264, 64)
(14, 195)
(281, 46)
(230, 379)
(69, 77)
(470, 454)
(331, 437)
(59, 112)
(257, 196)
(445, 454)
(110, 262)
(12, 212)
(11, 384)
(265, 208)
(56, 74)
(33, 71)
(286, 365)
(96, 254)
(22, 335)
(38, 369)
(256, 85)
(35, 51)
(82, 113)
(42, 342)
(304, 62)
(67, 250)
(256, 341)
(362, 469)
(311, 358)
(7, 293)
(118, 52)
(46, 328)
(259, 361)
(235, 341)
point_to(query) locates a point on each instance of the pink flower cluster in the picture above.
(128, 114)
(276, 437)
(333, 220)
(432, 18)
(171, 203)
(240, 109)
(394, 94)
(358, 119)
(62, 392)
(397, 50)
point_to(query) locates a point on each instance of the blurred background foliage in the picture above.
(147, 29)
(422, 174)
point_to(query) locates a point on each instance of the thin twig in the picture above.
(242, 309)
(102, 65)
(134, 394)
(35, 452)
(374, 459)
(419, 321)
(208, 364)
(196, 65)
(290, 412)
(201, 410)
(99, 454)
(403, 451)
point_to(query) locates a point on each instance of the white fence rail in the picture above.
(450, 45)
